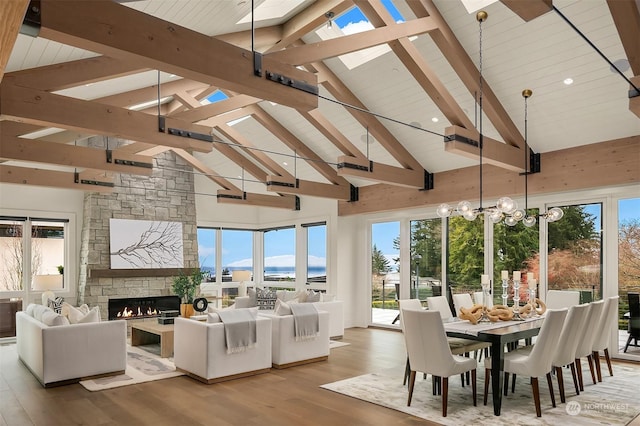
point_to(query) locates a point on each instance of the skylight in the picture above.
(354, 21)
(271, 9)
(216, 96)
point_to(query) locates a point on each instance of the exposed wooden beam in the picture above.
(455, 54)
(48, 109)
(264, 38)
(634, 103)
(74, 73)
(308, 20)
(289, 202)
(187, 100)
(150, 93)
(52, 179)
(493, 152)
(310, 188)
(297, 145)
(202, 112)
(350, 43)
(626, 16)
(529, 9)
(208, 172)
(242, 161)
(585, 167)
(14, 148)
(11, 15)
(114, 30)
(417, 66)
(383, 173)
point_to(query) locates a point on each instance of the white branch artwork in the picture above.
(145, 244)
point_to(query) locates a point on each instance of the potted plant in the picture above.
(186, 287)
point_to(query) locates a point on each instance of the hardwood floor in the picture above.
(283, 397)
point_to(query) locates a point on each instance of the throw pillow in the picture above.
(243, 302)
(53, 319)
(324, 297)
(282, 308)
(313, 296)
(38, 310)
(75, 314)
(56, 304)
(92, 316)
(30, 308)
(213, 309)
(265, 299)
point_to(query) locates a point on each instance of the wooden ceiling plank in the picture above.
(202, 112)
(458, 58)
(332, 133)
(259, 200)
(48, 109)
(350, 43)
(208, 172)
(48, 178)
(71, 74)
(114, 30)
(529, 10)
(297, 145)
(384, 173)
(11, 15)
(14, 148)
(626, 16)
(313, 189)
(260, 156)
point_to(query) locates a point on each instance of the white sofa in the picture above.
(199, 350)
(63, 354)
(335, 309)
(286, 351)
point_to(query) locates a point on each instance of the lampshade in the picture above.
(237, 276)
(47, 282)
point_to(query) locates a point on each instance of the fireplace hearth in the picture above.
(141, 307)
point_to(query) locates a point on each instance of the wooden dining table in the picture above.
(498, 334)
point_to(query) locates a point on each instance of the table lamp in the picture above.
(47, 283)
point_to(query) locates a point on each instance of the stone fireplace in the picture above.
(166, 195)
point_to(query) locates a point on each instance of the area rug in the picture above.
(614, 401)
(142, 366)
(337, 344)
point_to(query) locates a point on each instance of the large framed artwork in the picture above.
(145, 244)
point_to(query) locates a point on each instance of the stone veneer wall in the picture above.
(167, 195)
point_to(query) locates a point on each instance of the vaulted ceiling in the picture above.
(315, 111)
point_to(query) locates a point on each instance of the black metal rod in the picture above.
(595, 48)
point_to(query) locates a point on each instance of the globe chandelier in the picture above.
(505, 206)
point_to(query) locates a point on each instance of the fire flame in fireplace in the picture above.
(128, 313)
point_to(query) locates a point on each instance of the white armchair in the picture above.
(200, 351)
(287, 352)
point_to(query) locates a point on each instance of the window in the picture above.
(237, 251)
(426, 258)
(515, 248)
(385, 276)
(207, 253)
(316, 252)
(40, 240)
(465, 254)
(628, 254)
(280, 254)
(574, 252)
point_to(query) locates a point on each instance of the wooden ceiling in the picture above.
(381, 122)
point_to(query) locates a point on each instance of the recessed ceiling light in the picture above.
(435, 119)
(284, 163)
(568, 81)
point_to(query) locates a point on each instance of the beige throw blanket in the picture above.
(239, 329)
(306, 323)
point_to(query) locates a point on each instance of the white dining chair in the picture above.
(585, 343)
(608, 324)
(440, 304)
(535, 362)
(429, 352)
(557, 299)
(462, 300)
(413, 304)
